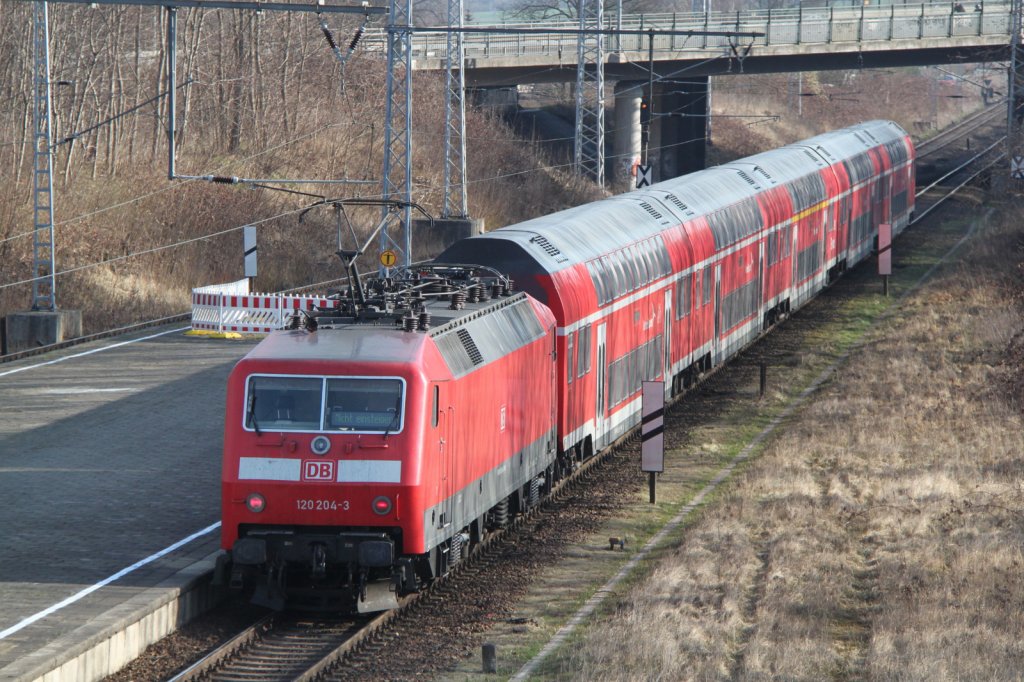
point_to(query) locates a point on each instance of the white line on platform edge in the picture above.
(94, 350)
(117, 576)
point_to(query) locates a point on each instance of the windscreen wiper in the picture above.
(250, 413)
(395, 419)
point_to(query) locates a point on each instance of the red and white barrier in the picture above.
(231, 308)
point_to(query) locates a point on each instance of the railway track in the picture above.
(349, 649)
(293, 647)
(279, 647)
(409, 639)
(958, 146)
(980, 122)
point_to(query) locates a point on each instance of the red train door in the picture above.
(601, 388)
(446, 449)
(666, 340)
(717, 312)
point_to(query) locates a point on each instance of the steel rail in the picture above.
(965, 164)
(999, 157)
(322, 664)
(949, 135)
(225, 650)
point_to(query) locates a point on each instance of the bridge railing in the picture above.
(831, 24)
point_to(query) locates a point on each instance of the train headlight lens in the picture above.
(255, 502)
(381, 505)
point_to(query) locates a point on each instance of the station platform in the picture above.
(109, 494)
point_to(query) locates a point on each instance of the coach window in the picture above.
(640, 258)
(610, 278)
(568, 357)
(283, 403)
(707, 285)
(434, 411)
(683, 291)
(363, 404)
(583, 351)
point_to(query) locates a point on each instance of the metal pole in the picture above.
(650, 97)
(589, 133)
(618, 26)
(44, 289)
(455, 117)
(172, 75)
(397, 172)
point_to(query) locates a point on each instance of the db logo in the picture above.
(317, 470)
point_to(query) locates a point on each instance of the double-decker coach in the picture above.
(667, 282)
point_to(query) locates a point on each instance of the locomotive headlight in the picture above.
(254, 502)
(320, 445)
(381, 505)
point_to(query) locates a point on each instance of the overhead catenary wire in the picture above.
(172, 187)
(284, 214)
(235, 180)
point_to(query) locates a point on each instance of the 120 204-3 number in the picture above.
(321, 505)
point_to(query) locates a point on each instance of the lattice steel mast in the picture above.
(44, 292)
(455, 200)
(397, 174)
(589, 142)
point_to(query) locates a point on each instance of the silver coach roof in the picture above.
(580, 234)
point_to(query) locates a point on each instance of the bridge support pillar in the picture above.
(678, 127)
(626, 147)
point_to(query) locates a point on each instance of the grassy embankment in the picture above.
(878, 533)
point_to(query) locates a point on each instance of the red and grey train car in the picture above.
(364, 452)
(361, 458)
(667, 282)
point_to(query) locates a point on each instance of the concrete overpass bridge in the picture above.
(850, 35)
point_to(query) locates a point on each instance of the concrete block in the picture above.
(35, 328)
(433, 239)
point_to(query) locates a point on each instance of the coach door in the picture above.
(718, 314)
(761, 283)
(602, 370)
(666, 338)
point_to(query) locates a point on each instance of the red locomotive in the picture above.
(365, 452)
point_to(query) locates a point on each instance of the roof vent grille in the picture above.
(749, 180)
(679, 202)
(650, 209)
(548, 247)
(470, 346)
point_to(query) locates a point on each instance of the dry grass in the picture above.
(770, 110)
(881, 536)
(119, 217)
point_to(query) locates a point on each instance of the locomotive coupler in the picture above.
(361, 585)
(319, 569)
(404, 577)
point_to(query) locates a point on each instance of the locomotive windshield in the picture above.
(361, 404)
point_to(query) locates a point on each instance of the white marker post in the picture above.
(249, 246)
(885, 255)
(652, 431)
